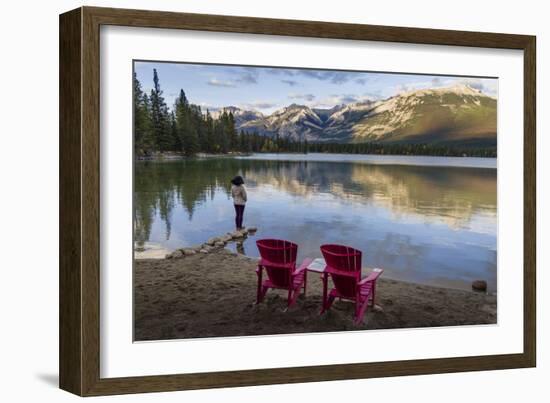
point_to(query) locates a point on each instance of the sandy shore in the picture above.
(209, 295)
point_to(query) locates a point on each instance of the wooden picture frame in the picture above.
(79, 346)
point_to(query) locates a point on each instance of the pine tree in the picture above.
(231, 132)
(186, 126)
(194, 138)
(221, 133)
(143, 134)
(209, 133)
(159, 117)
(182, 120)
(176, 139)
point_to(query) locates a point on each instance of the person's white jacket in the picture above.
(239, 195)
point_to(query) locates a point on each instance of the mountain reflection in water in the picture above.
(426, 224)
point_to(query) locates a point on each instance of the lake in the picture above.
(430, 220)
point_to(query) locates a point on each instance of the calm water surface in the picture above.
(423, 219)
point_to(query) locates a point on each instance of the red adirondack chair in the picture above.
(344, 268)
(278, 258)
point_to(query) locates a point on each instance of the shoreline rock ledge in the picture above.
(213, 244)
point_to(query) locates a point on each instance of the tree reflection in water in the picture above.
(321, 197)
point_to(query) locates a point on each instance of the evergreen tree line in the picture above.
(403, 149)
(186, 129)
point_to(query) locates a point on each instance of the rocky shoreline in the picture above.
(213, 244)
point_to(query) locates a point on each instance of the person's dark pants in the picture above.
(239, 213)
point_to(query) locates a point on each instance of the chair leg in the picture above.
(324, 278)
(259, 291)
(360, 309)
(328, 304)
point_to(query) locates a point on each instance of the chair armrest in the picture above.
(306, 262)
(373, 276)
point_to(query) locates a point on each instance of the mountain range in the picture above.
(454, 115)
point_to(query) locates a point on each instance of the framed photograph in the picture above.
(250, 201)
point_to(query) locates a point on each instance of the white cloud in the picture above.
(488, 86)
(305, 97)
(249, 76)
(292, 83)
(205, 106)
(261, 105)
(218, 83)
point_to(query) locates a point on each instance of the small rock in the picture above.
(377, 308)
(212, 241)
(479, 285)
(219, 244)
(204, 251)
(175, 254)
(252, 229)
(226, 238)
(189, 252)
(237, 235)
(196, 248)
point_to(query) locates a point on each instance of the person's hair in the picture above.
(237, 180)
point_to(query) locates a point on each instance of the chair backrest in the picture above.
(279, 259)
(344, 266)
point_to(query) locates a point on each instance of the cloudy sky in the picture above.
(266, 89)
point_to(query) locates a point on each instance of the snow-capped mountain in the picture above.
(340, 124)
(241, 116)
(297, 122)
(459, 113)
(325, 114)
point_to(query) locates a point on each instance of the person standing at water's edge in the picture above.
(238, 193)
